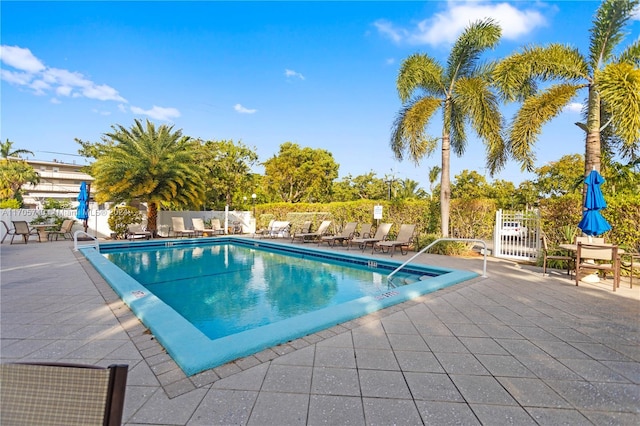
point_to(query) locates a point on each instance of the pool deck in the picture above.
(512, 348)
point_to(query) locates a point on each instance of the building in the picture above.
(59, 181)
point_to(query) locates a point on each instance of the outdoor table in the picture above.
(42, 231)
(574, 248)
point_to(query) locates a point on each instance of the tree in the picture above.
(156, 166)
(463, 92)
(410, 189)
(14, 174)
(612, 82)
(228, 178)
(558, 178)
(300, 174)
(6, 150)
(470, 185)
(434, 173)
(361, 187)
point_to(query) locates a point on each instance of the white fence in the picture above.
(517, 235)
(98, 226)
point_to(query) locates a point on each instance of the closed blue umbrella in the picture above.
(592, 222)
(83, 205)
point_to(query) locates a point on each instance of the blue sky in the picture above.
(320, 74)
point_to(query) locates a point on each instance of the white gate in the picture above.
(517, 235)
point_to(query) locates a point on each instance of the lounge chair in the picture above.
(280, 229)
(364, 240)
(21, 227)
(403, 240)
(62, 394)
(305, 228)
(365, 231)
(198, 226)
(264, 231)
(64, 231)
(9, 231)
(179, 229)
(313, 236)
(137, 231)
(347, 234)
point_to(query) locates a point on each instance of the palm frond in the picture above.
(419, 71)
(409, 129)
(607, 30)
(457, 130)
(476, 39)
(534, 113)
(631, 54)
(515, 75)
(619, 87)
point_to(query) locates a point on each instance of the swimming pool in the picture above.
(224, 318)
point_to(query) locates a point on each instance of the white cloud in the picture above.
(157, 113)
(446, 26)
(390, 61)
(20, 58)
(55, 101)
(242, 110)
(573, 107)
(636, 14)
(291, 73)
(30, 72)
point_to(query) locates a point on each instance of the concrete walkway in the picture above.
(513, 348)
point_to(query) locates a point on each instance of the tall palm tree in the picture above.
(612, 82)
(156, 166)
(434, 173)
(6, 150)
(463, 92)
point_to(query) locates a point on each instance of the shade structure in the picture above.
(592, 222)
(83, 205)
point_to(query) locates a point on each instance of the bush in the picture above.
(120, 219)
(10, 203)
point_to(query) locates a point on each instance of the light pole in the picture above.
(253, 201)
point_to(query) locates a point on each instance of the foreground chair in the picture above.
(347, 234)
(198, 226)
(403, 240)
(64, 231)
(8, 231)
(364, 240)
(313, 236)
(588, 254)
(179, 229)
(21, 227)
(62, 394)
(548, 255)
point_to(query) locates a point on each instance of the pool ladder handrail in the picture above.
(94, 243)
(484, 266)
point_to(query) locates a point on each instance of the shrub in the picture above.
(121, 217)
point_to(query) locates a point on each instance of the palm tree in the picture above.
(14, 174)
(434, 173)
(6, 151)
(612, 83)
(463, 92)
(157, 166)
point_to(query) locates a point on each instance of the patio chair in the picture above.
(21, 227)
(364, 240)
(587, 256)
(313, 236)
(179, 229)
(198, 226)
(403, 240)
(347, 234)
(9, 231)
(365, 231)
(264, 231)
(62, 394)
(64, 231)
(548, 254)
(137, 231)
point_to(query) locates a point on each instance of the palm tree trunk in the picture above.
(152, 218)
(445, 185)
(593, 151)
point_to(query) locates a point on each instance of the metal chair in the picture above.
(588, 254)
(547, 256)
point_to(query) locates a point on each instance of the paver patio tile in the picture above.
(160, 409)
(630, 370)
(334, 410)
(445, 344)
(557, 416)
(521, 347)
(535, 333)
(599, 396)
(224, 407)
(304, 357)
(569, 335)
(435, 328)
(531, 392)
(466, 330)
(499, 331)
(498, 415)
(343, 340)
(601, 352)
(482, 390)
(432, 387)
(279, 409)
(335, 357)
(384, 412)
(593, 370)
(454, 363)
(546, 367)
(250, 379)
(378, 359)
(335, 381)
(407, 342)
(141, 375)
(287, 378)
(383, 384)
(483, 345)
(418, 361)
(611, 418)
(439, 413)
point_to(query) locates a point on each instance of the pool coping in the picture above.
(194, 352)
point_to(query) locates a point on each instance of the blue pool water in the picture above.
(212, 300)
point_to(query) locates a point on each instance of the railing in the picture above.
(484, 266)
(94, 240)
